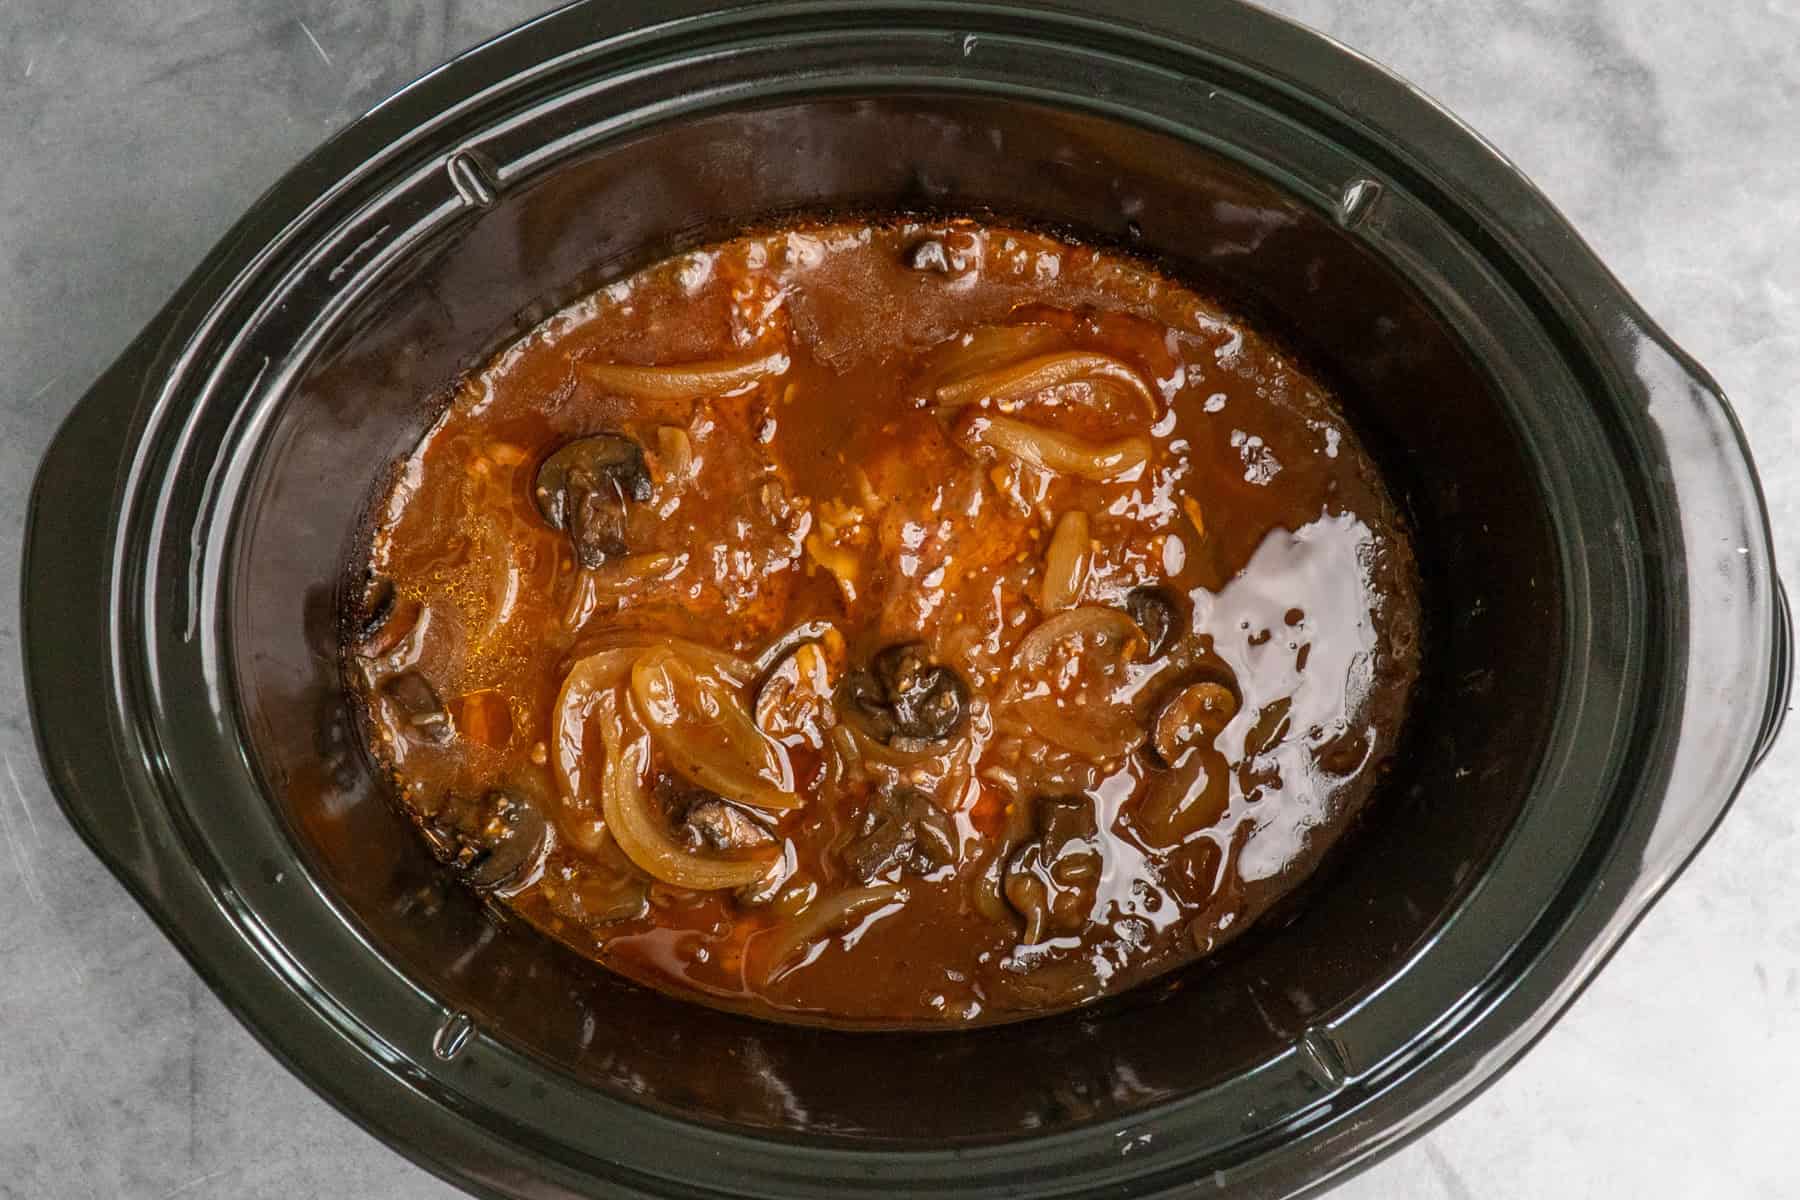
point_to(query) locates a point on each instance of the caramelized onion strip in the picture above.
(685, 381)
(603, 670)
(1022, 381)
(907, 755)
(729, 667)
(639, 831)
(1066, 562)
(701, 723)
(789, 940)
(1098, 736)
(988, 348)
(1110, 630)
(1097, 731)
(586, 681)
(1060, 453)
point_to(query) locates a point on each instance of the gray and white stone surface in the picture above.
(133, 132)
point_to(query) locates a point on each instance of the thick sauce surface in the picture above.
(887, 623)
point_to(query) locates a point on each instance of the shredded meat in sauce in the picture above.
(887, 623)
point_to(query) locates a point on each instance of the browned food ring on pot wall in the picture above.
(904, 623)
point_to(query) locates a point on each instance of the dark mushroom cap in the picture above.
(902, 827)
(904, 694)
(718, 824)
(492, 840)
(582, 489)
(1051, 881)
(423, 712)
(1158, 613)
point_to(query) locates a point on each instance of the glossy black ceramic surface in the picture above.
(1594, 545)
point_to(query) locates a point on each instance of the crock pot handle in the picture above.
(66, 628)
(1782, 685)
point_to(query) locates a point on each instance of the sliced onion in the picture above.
(1093, 637)
(794, 699)
(1023, 381)
(602, 670)
(640, 570)
(1061, 453)
(868, 750)
(930, 764)
(582, 601)
(1108, 628)
(1097, 732)
(729, 667)
(991, 346)
(636, 575)
(701, 723)
(639, 831)
(824, 918)
(615, 579)
(676, 452)
(683, 381)
(1066, 562)
(807, 631)
(586, 681)
(504, 578)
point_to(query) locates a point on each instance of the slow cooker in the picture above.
(1608, 649)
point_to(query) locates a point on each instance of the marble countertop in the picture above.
(133, 133)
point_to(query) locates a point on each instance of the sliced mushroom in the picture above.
(422, 711)
(1051, 881)
(582, 489)
(386, 627)
(492, 841)
(902, 832)
(641, 829)
(904, 694)
(1158, 613)
(1192, 716)
(705, 822)
(717, 824)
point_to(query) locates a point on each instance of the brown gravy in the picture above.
(905, 623)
